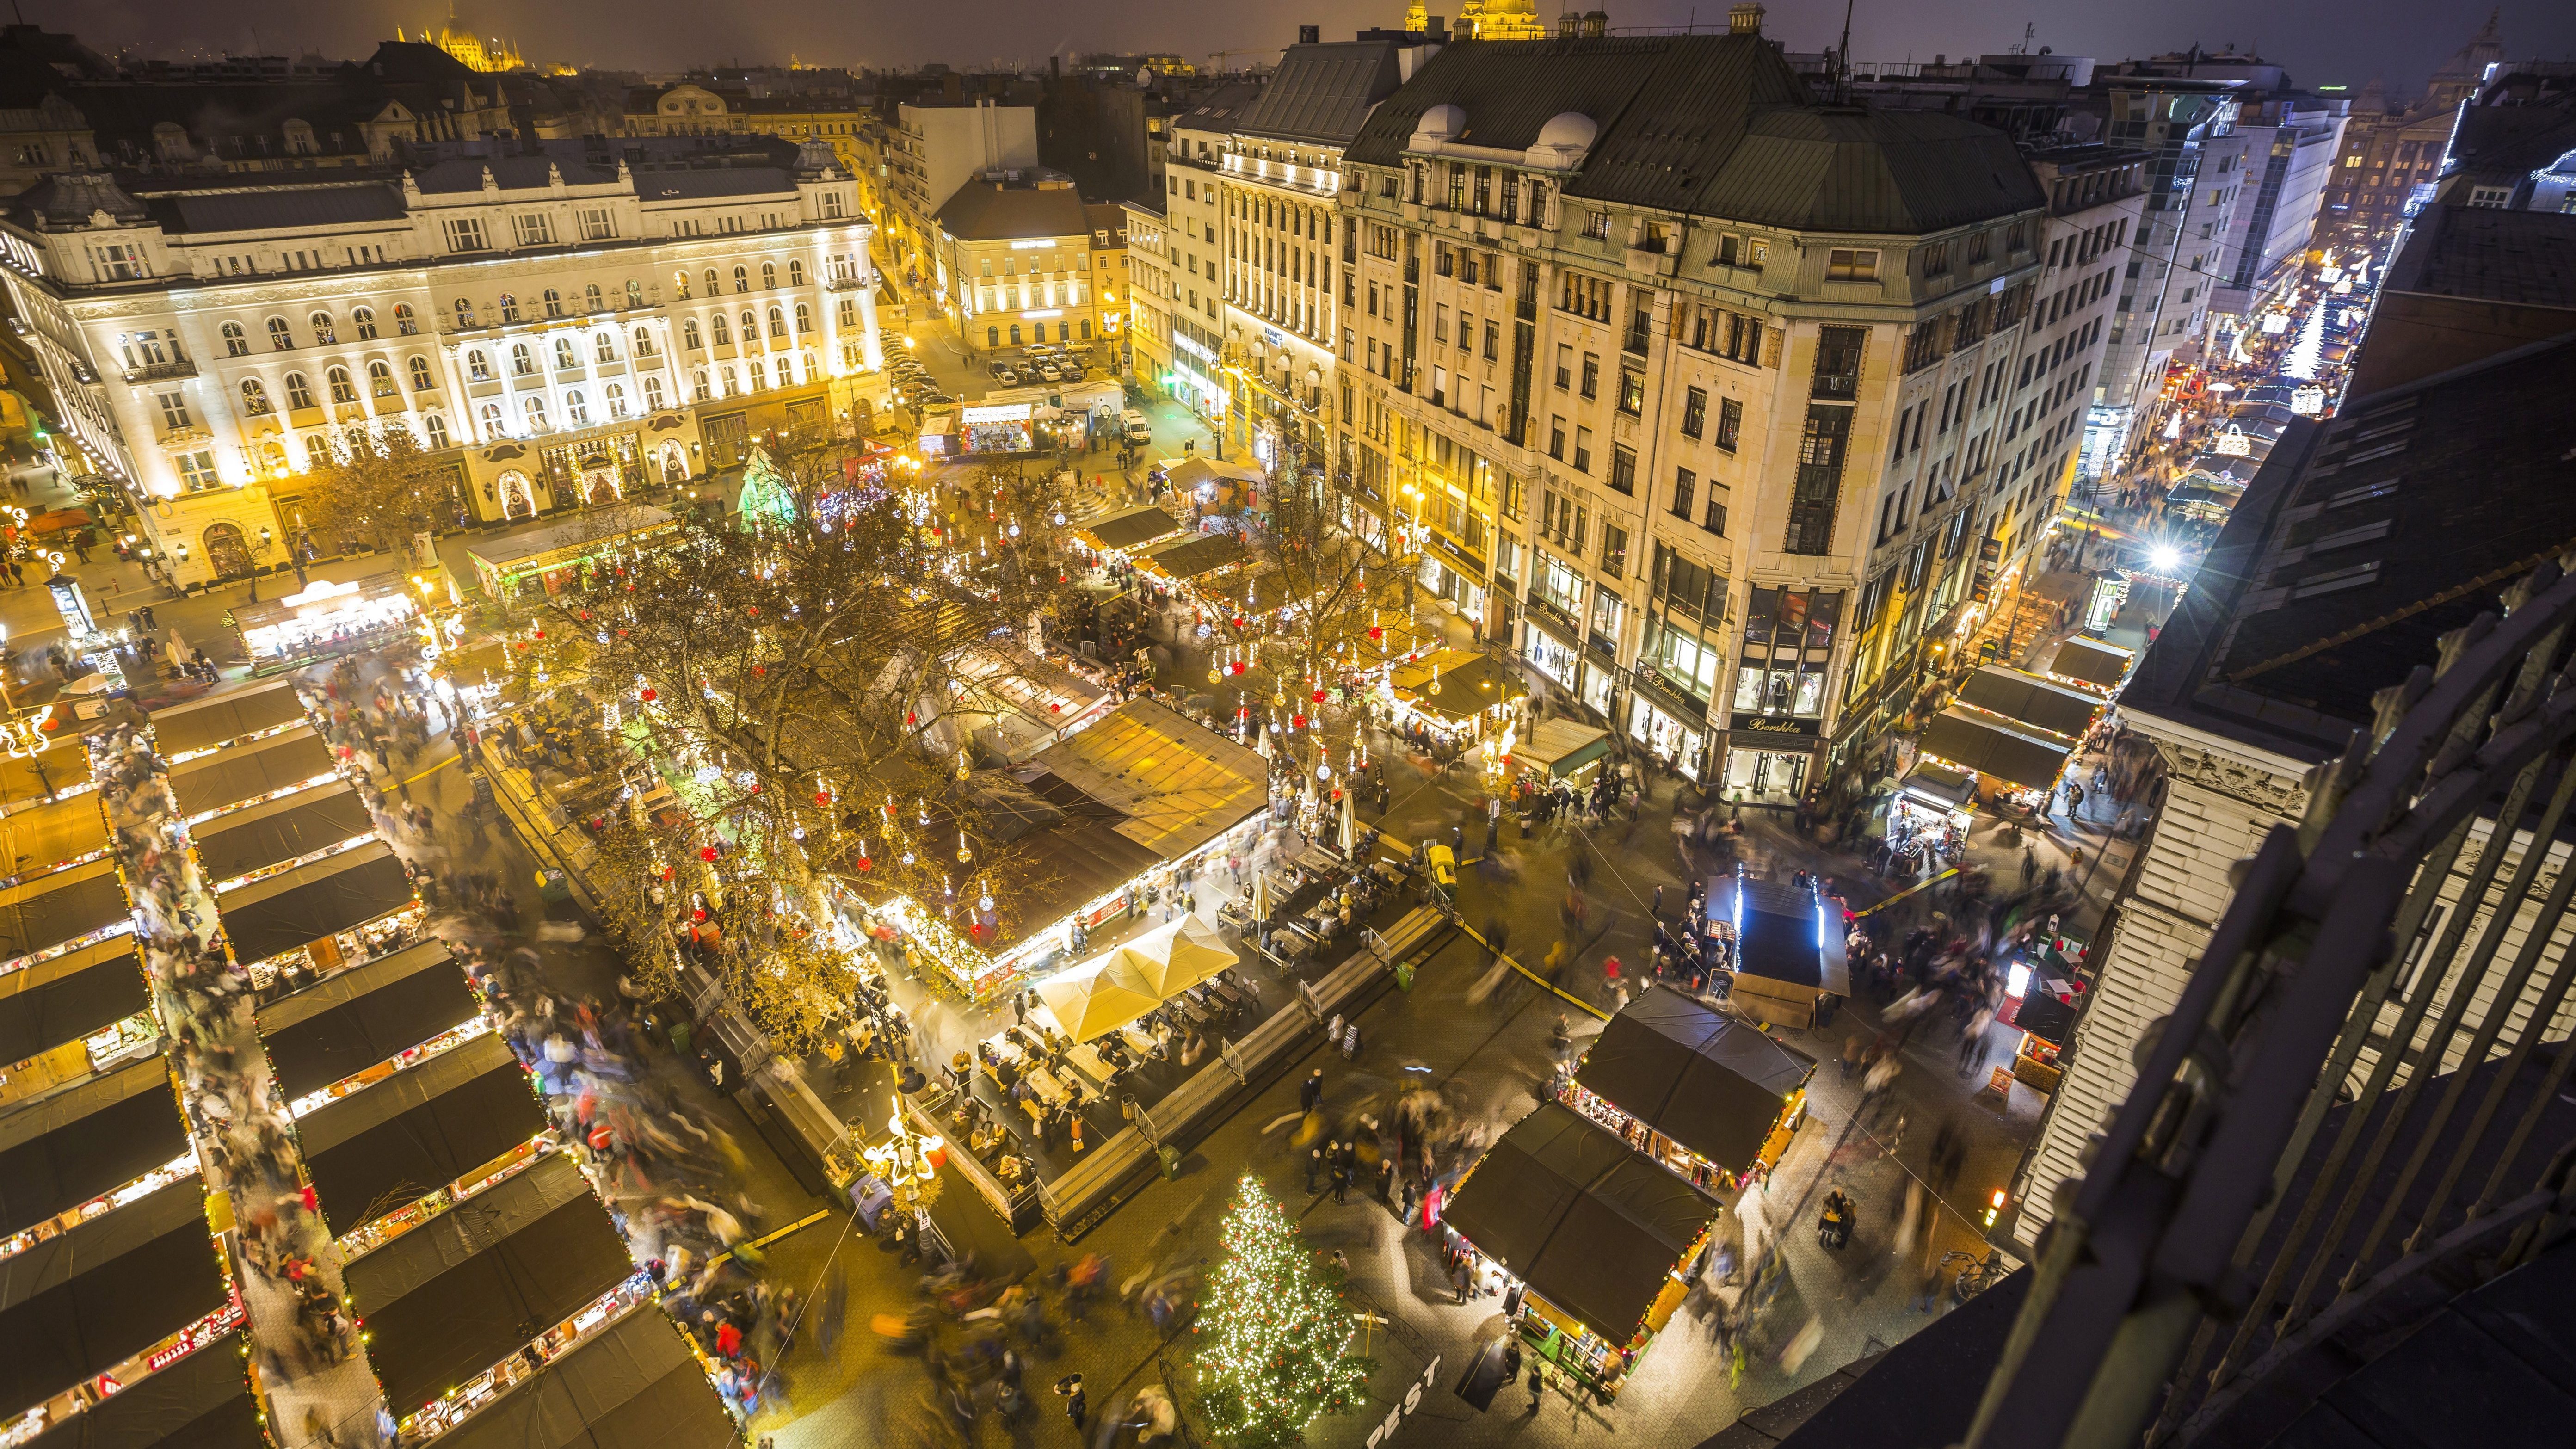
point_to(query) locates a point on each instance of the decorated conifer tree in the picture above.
(1276, 1344)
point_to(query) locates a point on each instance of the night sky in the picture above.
(2323, 42)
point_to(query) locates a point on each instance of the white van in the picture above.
(1132, 425)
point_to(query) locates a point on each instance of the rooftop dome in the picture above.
(1564, 141)
(1438, 124)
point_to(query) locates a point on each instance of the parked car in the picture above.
(1006, 375)
(1050, 372)
(1134, 426)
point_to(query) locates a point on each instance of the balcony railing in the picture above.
(2337, 1130)
(171, 371)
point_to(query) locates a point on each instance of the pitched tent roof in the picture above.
(1709, 1082)
(998, 211)
(632, 1387)
(301, 906)
(1129, 527)
(63, 1000)
(281, 830)
(100, 1135)
(229, 777)
(2031, 700)
(200, 1402)
(380, 1149)
(1989, 744)
(114, 1306)
(223, 718)
(399, 1011)
(1590, 1224)
(2092, 661)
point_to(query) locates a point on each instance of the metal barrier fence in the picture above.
(2335, 1130)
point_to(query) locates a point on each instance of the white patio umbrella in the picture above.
(1092, 1001)
(1175, 957)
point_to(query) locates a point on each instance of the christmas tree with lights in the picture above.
(1276, 1344)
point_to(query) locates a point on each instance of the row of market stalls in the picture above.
(2006, 736)
(1598, 1211)
(464, 1230)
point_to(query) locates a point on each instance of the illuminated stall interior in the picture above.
(1706, 1095)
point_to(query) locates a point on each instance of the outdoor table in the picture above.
(1047, 1086)
(1137, 1041)
(1037, 1115)
(1086, 1060)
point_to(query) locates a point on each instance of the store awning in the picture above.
(1938, 786)
(379, 1149)
(1174, 957)
(2031, 700)
(200, 1402)
(1095, 1000)
(1561, 747)
(397, 1013)
(1128, 528)
(1456, 683)
(222, 718)
(272, 916)
(1712, 1083)
(319, 599)
(1990, 745)
(1783, 932)
(1191, 472)
(229, 777)
(2092, 661)
(552, 544)
(56, 1002)
(234, 845)
(2044, 1016)
(1591, 1225)
(64, 906)
(481, 1309)
(94, 1138)
(1199, 553)
(114, 1306)
(635, 1386)
(38, 838)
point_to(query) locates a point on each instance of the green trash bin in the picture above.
(1171, 1157)
(1404, 975)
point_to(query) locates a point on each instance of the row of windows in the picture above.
(324, 328)
(342, 386)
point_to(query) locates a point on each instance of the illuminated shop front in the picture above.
(1000, 428)
(327, 617)
(1712, 1098)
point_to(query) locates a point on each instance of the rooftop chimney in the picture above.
(1596, 23)
(1744, 20)
(1570, 24)
(1309, 34)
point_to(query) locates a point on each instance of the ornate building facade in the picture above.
(557, 331)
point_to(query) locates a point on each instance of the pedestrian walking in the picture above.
(1069, 1388)
(1537, 1387)
(1310, 1094)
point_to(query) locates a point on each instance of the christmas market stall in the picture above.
(2044, 990)
(1182, 562)
(252, 773)
(326, 617)
(316, 919)
(2020, 760)
(552, 557)
(1454, 695)
(1114, 536)
(185, 731)
(114, 1298)
(1213, 486)
(1784, 941)
(2030, 700)
(1562, 749)
(1596, 1242)
(1121, 815)
(1011, 704)
(1708, 1096)
(1931, 808)
(2092, 663)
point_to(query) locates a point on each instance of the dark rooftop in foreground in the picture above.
(2487, 254)
(2361, 542)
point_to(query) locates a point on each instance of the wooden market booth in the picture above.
(1786, 945)
(1708, 1096)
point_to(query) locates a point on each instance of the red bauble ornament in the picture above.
(1054, 708)
(1376, 633)
(650, 695)
(523, 646)
(866, 864)
(1319, 696)
(1059, 578)
(822, 797)
(706, 852)
(50, 725)
(621, 633)
(1236, 667)
(667, 872)
(974, 928)
(1296, 721)
(585, 616)
(752, 609)
(697, 915)
(760, 669)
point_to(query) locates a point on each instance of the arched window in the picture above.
(849, 312)
(565, 357)
(616, 400)
(364, 319)
(420, 379)
(732, 381)
(604, 346)
(522, 364)
(405, 324)
(436, 427)
(1015, 334)
(689, 336)
(634, 293)
(590, 297)
(713, 286)
(464, 313)
(576, 408)
(494, 427)
(724, 331)
(777, 323)
(509, 307)
(787, 372)
(680, 283)
(317, 450)
(992, 336)
(235, 344)
(323, 332)
(1086, 329)
(697, 385)
(272, 458)
(643, 342)
(342, 389)
(768, 276)
(653, 391)
(554, 302)
(804, 319)
(478, 368)
(759, 375)
(299, 393)
(795, 274)
(750, 329)
(380, 379)
(279, 338)
(254, 397)
(742, 279)
(535, 408)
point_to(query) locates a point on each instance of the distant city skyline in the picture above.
(2321, 42)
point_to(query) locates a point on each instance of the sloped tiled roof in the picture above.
(712, 183)
(284, 206)
(1221, 109)
(983, 211)
(2487, 254)
(514, 173)
(1714, 125)
(1322, 92)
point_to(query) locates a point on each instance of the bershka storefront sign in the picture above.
(1412, 1400)
(1763, 725)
